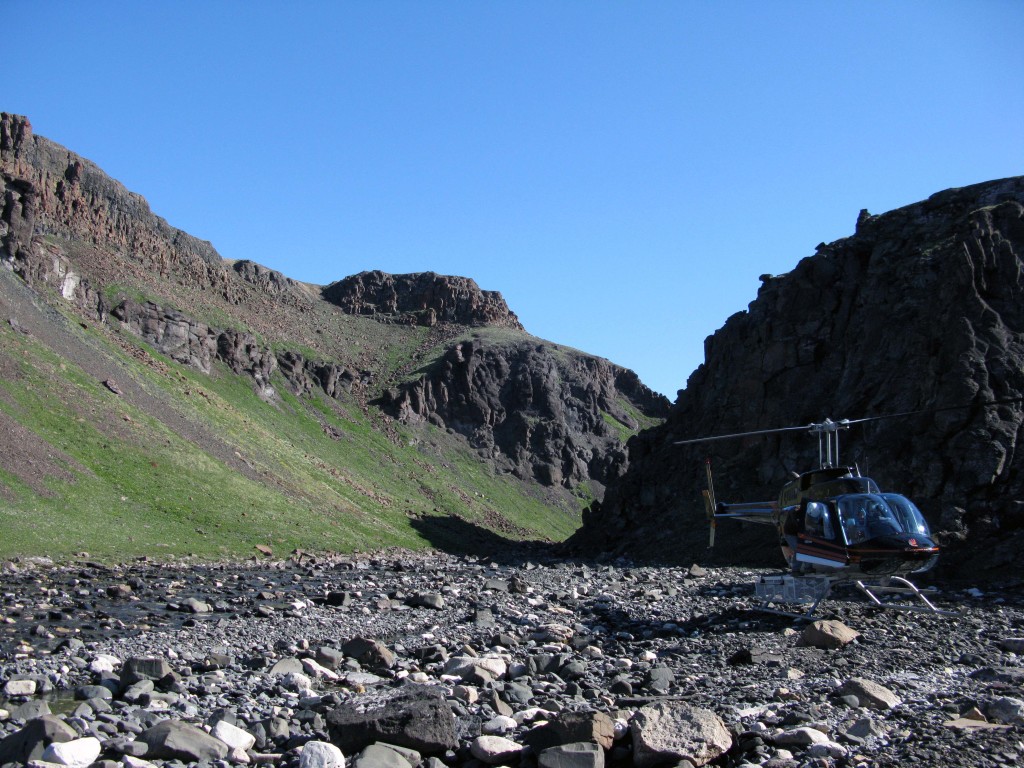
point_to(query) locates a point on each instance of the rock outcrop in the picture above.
(555, 416)
(422, 298)
(534, 409)
(922, 309)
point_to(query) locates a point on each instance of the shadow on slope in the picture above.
(457, 536)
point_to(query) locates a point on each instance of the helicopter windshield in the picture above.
(867, 516)
(910, 517)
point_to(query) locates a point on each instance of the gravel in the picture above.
(262, 653)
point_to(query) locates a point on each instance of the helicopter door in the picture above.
(818, 545)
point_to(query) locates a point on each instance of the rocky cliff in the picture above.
(534, 409)
(422, 298)
(396, 342)
(921, 309)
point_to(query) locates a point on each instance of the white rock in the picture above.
(239, 756)
(669, 731)
(320, 754)
(802, 737)
(136, 762)
(1006, 709)
(296, 681)
(104, 662)
(530, 714)
(233, 736)
(499, 724)
(465, 665)
(20, 687)
(77, 752)
(318, 670)
(826, 749)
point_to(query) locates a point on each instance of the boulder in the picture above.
(77, 753)
(177, 740)
(868, 693)
(370, 653)
(670, 731)
(321, 754)
(414, 716)
(827, 633)
(35, 736)
(495, 750)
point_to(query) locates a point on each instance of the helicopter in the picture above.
(834, 525)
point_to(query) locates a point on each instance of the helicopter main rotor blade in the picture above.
(983, 404)
(831, 426)
(804, 428)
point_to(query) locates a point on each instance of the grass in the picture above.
(249, 473)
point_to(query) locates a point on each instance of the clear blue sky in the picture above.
(621, 172)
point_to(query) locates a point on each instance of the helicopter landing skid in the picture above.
(814, 589)
(792, 589)
(907, 588)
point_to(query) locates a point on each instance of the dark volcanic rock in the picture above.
(414, 717)
(921, 309)
(173, 739)
(30, 742)
(423, 298)
(538, 410)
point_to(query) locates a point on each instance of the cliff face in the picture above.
(422, 298)
(546, 415)
(922, 308)
(533, 409)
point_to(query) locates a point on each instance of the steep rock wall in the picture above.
(922, 308)
(533, 409)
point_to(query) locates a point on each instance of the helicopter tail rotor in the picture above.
(709, 504)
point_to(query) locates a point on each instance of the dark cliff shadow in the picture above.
(457, 536)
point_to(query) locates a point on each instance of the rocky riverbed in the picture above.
(401, 659)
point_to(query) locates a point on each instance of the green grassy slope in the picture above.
(213, 470)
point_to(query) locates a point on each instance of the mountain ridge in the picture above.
(83, 243)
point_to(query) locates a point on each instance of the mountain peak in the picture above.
(421, 298)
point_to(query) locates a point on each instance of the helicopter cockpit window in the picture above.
(817, 521)
(867, 516)
(910, 517)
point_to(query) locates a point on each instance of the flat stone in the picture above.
(803, 737)
(233, 736)
(577, 755)
(869, 694)
(377, 756)
(19, 687)
(148, 668)
(495, 750)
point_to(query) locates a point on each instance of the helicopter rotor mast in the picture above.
(827, 432)
(828, 440)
